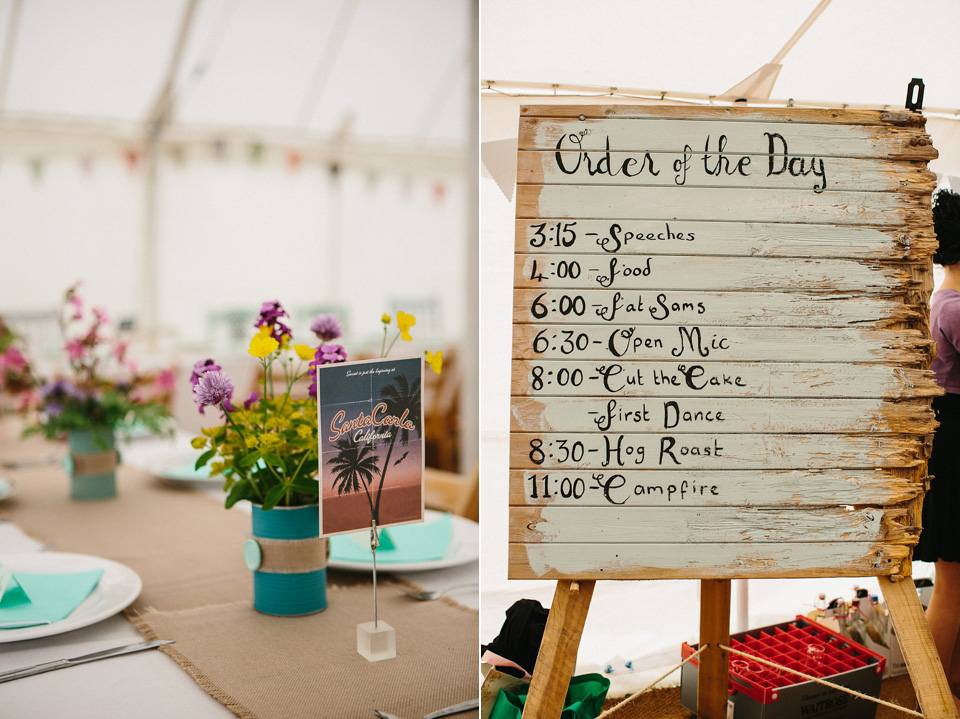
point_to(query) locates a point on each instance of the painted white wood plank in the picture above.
(730, 308)
(730, 113)
(649, 272)
(697, 561)
(656, 488)
(693, 342)
(741, 239)
(696, 525)
(692, 415)
(885, 209)
(543, 167)
(566, 450)
(718, 379)
(825, 142)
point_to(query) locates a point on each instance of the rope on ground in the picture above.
(651, 685)
(857, 694)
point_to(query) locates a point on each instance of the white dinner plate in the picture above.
(8, 488)
(464, 548)
(176, 470)
(118, 587)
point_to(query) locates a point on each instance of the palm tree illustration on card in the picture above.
(370, 421)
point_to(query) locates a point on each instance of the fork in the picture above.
(430, 594)
(446, 711)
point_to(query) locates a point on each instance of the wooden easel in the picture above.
(571, 601)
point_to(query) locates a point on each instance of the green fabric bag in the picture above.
(584, 699)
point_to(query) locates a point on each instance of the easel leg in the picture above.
(558, 650)
(714, 631)
(926, 673)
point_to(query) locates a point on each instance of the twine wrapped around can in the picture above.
(92, 463)
(289, 561)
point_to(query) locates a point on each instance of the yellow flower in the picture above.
(304, 352)
(385, 318)
(198, 442)
(267, 439)
(263, 345)
(217, 467)
(285, 342)
(304, 431)
(250, 442)
(404, 323)
(264, 330)
(435, 360)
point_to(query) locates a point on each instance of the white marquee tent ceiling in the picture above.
(361, 71)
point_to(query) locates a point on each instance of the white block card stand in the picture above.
(376, 640)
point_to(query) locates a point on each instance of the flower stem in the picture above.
(391, 344)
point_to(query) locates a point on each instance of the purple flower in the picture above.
(56, 394)
(254, 398)
(326, 354)
(62, 389)
(270, 314)
(213, 388)
(326, 327)
(207, 365)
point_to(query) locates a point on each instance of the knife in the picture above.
(455, 709)
(61, 663)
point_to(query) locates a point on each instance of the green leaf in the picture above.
(274, 460)
(249, 460)
(241, 490)
(306, 485)
(204, 458)
(273, 496)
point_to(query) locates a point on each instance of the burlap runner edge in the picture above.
(190, 668)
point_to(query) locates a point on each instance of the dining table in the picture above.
(226, 659)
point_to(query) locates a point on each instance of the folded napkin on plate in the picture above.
(28, 599)
(187, 471)
(422, 542)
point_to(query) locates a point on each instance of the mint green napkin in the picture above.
(32, 599)
(187, 471)
(422, 542)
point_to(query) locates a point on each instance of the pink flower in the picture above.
(120, 351)
(165, 381)
(101, 315)
(74, 350)
(12, 359)
(77, 303)
(28, 399)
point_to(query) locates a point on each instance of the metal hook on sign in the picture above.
(915, 94)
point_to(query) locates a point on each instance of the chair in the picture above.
(441, 414)
(452, 492)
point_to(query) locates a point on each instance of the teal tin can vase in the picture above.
(92, 463)
(289, 561)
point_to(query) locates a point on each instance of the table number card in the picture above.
(370, 420)
(720, 342)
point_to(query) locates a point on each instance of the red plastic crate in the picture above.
(802, 645)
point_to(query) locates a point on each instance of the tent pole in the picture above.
(6, 63)
(470, 389)
(160, 115)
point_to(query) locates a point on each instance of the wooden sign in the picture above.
(720, 342)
